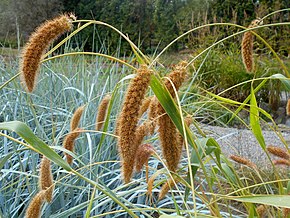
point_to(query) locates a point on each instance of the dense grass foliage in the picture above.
(208, 184)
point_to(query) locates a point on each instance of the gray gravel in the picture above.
(242, 142)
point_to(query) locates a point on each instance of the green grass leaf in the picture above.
(274, 200)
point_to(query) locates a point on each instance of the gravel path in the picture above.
(242, 142)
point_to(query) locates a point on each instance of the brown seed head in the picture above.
(143, 153)
(247, 47)
(68, 143)
(243, 161)
(102, 112)
(279, 152)
(128, 119)
(34, 208)
(45, 179)
(75, 121)
(281, 162)
(261, 209)
(165, 188)
(152, 113)
(145, 104)
(38, 42)
(288, 108)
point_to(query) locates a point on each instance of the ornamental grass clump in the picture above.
(37, 44)
(46, 179)
(247, 47)
(128, 119)
(102, 112)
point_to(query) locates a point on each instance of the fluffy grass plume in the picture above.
(279, 152)
(34, 208)
(261, 209)
(165, 188)
(167, 131)
(143, 153)
(281, 162)
(141, 132)
(128, 119)
(68, 143)
(243, 161)
(38, 42)
(45, 179)
(247, 47)
(288, 108)
(75, 121)
(152, 113)
(102, 112)
(145, 105)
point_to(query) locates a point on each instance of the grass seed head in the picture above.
(242, 160)
(68, 143)
(34, 208)
(279, 152)
(128, 119)
(145, 105)
(75, 121)
(281, 162)
(37, 44)
(261, 209)
(143, 153)
(247, 47)
(165, 188)
(46, 179)
(102, 112)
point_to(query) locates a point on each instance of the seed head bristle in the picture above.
(167, 131)
(128, 119)
(150, 183)
(45, 179)
(34, 208)
(145, 105)
(68, 143)
(279, 152)
(102, 112)
(75, 121)
(288, 108)
(141, 132)
(261, 209)
(38, 42)
(247, 47)
(143, 153)
(165, 188)
(242, 160)
(152, 113)
(286, 212)
(281, 162)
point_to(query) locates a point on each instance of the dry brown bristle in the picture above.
(34, 208)
(102, 112)
(141, 132)
(281, 162)
(143, 153)
(128, 119)
(38, 42)
(69, 142)
(45, 179)
(247, 47)
(261, 209)
(279, 152)
(75, 121)
(145, 105)
(165, 188)
(288, 108)
(242, 160)
(152, 113)
(167, 131)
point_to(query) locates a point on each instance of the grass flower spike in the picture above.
(142, 155)
(243, 161)
(75, 121)
(34, 208)
(279, 152)
(45, 179)
(69, 142)
(102, 112)
(247, 47)
(128, 119)
(39, 41)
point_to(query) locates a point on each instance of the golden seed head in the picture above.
(281, 162)
(34, 208)
(68, 143)
(143, 153)
(38, 42)
(288, 108)
(102, 112)
(165, 188)
(279, 152)
(45, 179)
(242, 160)
(75, 121)
(145, 105)
(247, 47)
(128, 119)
